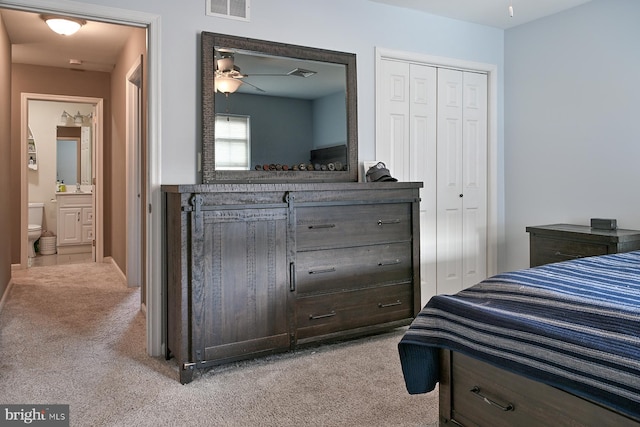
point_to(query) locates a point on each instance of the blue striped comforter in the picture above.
(574, 325)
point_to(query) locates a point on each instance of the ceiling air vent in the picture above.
(233, 9)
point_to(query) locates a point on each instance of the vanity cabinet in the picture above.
(75, 222)
(254, 269)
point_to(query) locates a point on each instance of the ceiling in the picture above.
(96, 45)
(494, 13)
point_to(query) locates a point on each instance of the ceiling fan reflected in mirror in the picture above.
(229, 77)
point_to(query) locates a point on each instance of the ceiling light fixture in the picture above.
(63, 25)
(227, 85)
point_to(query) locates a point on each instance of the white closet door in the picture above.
(474, 176)
(423, 125)
(449, 182)
(432, 127)
(462, 180)
(394, 122)
(407, 144)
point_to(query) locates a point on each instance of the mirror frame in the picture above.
(210, 174)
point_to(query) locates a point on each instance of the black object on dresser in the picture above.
(561, 242)
(254, 269)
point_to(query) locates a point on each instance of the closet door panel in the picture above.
(395, 118)
(474, 172)
(449, 181)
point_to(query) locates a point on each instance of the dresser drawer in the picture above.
(331, 270)
(351, 225)
(547, 250)
(324, 314)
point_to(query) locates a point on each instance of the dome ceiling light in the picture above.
(63, 25)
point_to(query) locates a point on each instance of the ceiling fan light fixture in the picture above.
(225, 64)
(63, 25)
(227, 85)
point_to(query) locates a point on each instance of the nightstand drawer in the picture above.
(546, 250)
(324, 314)
(333, 270)
(352, 225)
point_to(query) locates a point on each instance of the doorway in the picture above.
(49, 110)
(153, 196)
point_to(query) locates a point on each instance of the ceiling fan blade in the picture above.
(254, 86)
(298, 72)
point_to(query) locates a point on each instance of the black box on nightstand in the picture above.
(604, 224)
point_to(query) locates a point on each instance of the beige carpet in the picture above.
(74, 334)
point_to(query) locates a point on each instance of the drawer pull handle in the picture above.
(381, 305)
(323, 270)
(558, 253)
(388, 221)
(311, 227)
(322, 316)
(292, 277)
(476, 391)
(389, 262)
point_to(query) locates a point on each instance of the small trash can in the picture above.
(47, 245)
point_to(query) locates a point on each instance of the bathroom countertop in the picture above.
(72, 193)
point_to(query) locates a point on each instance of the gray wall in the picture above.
(572, 121)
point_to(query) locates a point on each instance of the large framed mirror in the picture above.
(274, 112)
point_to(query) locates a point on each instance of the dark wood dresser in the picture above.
(562, 242)
(254, 269)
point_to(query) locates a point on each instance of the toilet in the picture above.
(36, 211)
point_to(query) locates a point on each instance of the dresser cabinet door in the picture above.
(241, 307)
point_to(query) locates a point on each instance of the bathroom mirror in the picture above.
(291, 118)
(73, 155)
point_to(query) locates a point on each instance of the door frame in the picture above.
(97, 172)
(134, 179)
(492, 128)
(155, 340)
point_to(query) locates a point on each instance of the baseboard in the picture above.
(5, 295)
(110, 260)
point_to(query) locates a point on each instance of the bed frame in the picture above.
(474, 393)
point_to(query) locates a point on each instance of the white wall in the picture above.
(572, 122)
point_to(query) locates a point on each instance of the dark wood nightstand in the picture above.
(562, 242)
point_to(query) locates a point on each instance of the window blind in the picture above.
(232, 142)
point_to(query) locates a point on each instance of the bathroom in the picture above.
(47, 157)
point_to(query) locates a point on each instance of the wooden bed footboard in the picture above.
(474, 393)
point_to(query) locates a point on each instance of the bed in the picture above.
(554, 345)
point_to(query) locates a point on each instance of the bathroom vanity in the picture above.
(75, 222)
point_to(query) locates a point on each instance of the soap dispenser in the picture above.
(63, 188)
